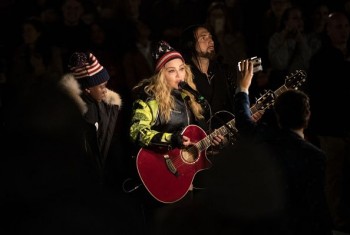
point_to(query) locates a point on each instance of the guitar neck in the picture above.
(229, 127)
(261, 106)
(223, 130)
(280, 90)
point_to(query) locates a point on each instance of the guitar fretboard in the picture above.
(229, 127)
(280, 90)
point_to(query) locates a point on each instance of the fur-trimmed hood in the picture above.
(71, 86)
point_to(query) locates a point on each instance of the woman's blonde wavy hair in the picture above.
(158, 88)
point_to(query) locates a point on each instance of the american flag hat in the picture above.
(163, 53)
(87, 70)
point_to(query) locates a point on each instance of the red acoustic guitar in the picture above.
(168, 175)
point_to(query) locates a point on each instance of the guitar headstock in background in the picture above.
(293, 81)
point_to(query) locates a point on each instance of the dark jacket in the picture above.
(100, 117)
(218, 88)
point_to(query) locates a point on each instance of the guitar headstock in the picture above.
(264, 102)
(295, 80)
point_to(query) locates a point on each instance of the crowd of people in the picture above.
(102, 102)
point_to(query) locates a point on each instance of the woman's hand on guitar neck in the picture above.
(217, 140)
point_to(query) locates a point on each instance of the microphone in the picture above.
(184, 85)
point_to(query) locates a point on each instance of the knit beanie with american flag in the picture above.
(162, 53)
(87, 70)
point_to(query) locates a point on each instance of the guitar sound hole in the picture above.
(190, 154)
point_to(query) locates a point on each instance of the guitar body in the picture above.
(168, 175)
